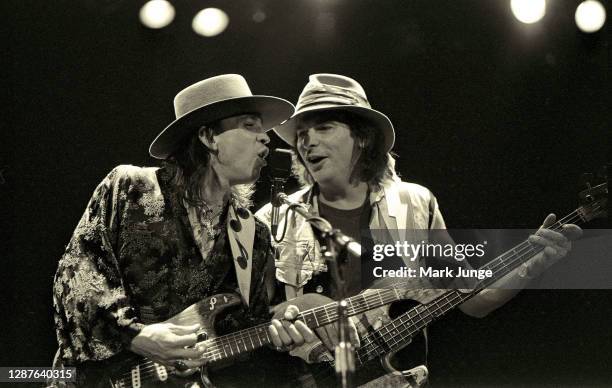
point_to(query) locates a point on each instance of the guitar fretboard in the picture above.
(397, 333)
(247, 340)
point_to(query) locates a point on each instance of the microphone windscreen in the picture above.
(279, 162)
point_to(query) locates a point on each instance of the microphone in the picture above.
(280, 163)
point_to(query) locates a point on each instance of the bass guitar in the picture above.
(431, 304)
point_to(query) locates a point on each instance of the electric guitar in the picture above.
(384, 342)
(128, 370)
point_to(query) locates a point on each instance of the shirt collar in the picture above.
(387, 190)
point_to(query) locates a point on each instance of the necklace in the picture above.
(208, 216)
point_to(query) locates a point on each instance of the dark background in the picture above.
(499, 119)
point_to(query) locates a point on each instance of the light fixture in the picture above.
(528, 11)
(590, 16)
(157, 14)
(210, 22)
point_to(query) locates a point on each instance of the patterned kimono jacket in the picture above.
(133, 257)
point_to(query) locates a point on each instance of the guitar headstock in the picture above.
(595, 202)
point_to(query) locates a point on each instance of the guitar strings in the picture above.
(408, 326)
(370, 344)
(527, 246)
(149, 366)
(507, 267)
(238, 338)
(218, 349)
(519, 250)
(145, 376)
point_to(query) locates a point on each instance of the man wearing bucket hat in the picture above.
(342, 158)
(153, 241)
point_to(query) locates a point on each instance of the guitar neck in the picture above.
(247, 340)
(399, 332)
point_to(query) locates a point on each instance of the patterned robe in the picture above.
(133, 257)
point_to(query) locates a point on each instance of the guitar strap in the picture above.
(241, 235)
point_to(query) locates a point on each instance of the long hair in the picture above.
(188, 166)
(373, 166)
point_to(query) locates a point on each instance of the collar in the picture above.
(388, 191)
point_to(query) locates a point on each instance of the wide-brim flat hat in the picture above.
(325, 92)
(214, 99)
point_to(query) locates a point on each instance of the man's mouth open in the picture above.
(316, 162)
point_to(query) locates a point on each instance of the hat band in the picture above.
(332, 95)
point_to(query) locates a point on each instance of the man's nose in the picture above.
(263, 138)
(309, 138)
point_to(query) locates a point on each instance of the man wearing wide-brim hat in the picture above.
(342, 157)
(154, 241)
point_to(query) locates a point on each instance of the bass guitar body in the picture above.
(381, 355)
(390, 361)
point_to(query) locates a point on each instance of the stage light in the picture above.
(157, 14)
(590, 16)
(210, 22)
(528, 11)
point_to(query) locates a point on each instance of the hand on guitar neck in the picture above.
(556, 246)
(553, 239)
(170, 345)
(300, 339)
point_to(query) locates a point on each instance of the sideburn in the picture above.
(356, 171)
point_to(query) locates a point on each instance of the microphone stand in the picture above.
(336, 241)
(278, 185)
